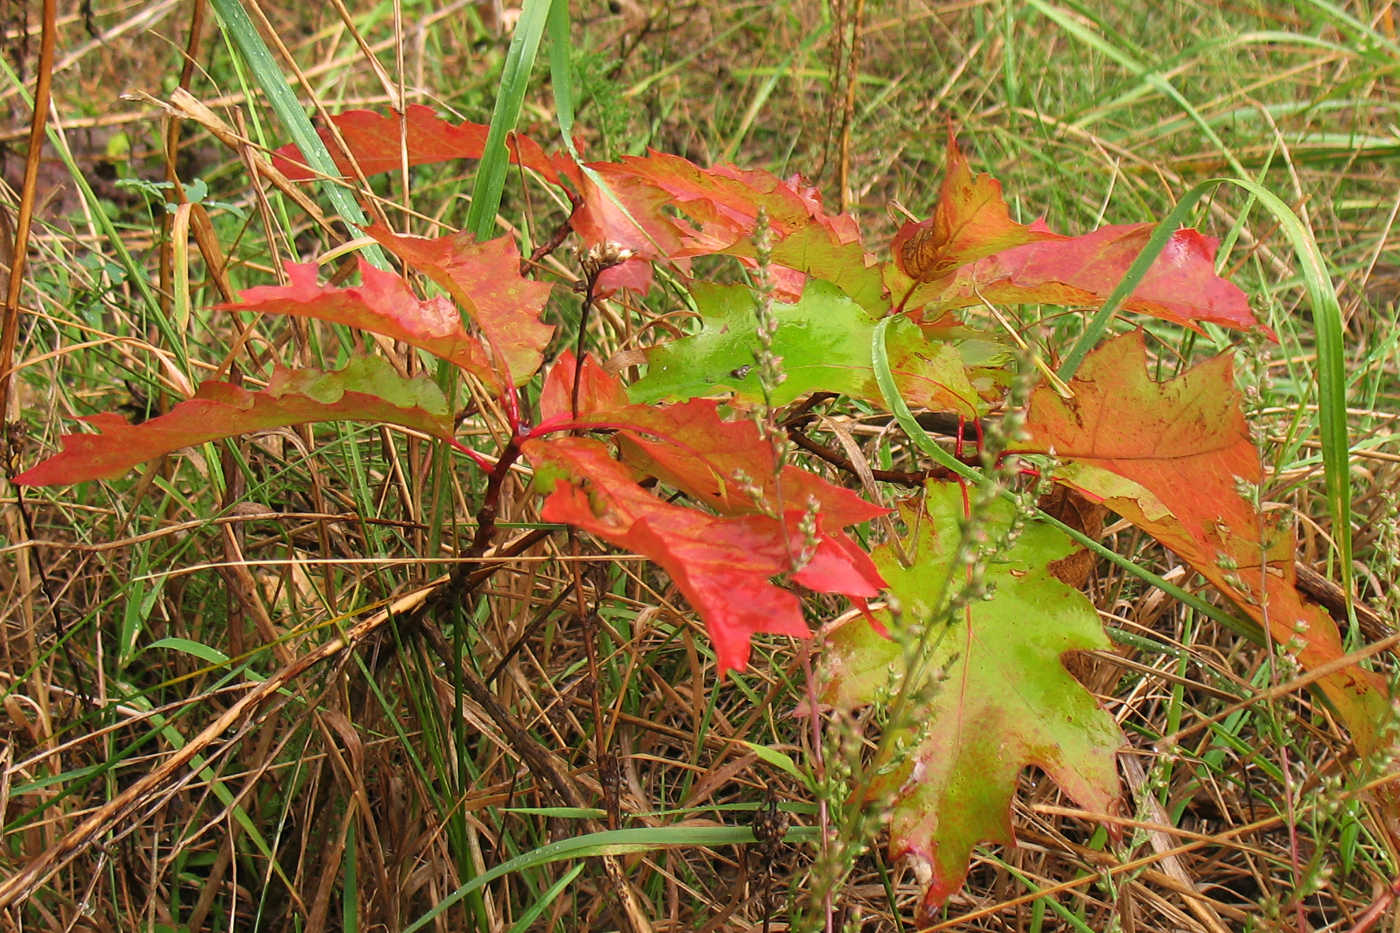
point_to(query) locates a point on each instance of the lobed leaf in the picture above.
(1174, 458)
(970, 220)
(823, 342)
(723, 565)
(1180, 286)
(379, 142)
(725, 464)
(970, 252)
(816, 251)
(631, 204)
(1001, 698)
(383, 304)
(367, 389)
(484, 280)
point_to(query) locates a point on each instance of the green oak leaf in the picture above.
(824, 343)
(1002, 700)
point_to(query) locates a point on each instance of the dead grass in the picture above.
(188, 743)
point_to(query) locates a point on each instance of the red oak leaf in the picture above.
(721, 203)
(484, 280)
(726, 464)
(970, 220)
(626, 213)
(629, 204)
(598, 390)
(1180, 286)
(970, 252)
(384, 304)
(723, 565)
(377, 143)
(368, 389)
(720, 208)
(1171, 458)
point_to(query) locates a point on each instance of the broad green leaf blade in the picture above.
(780, 760)
(824, 254)
(823, 341)
(1331, 369)
(1001, 698)
(541, 903)
(368, 389)
(561, 78)
(206, 653)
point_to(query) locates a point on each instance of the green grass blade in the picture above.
(510, 97)
(610, 842)
(561, 69)
(1331, 366)
(562, 82)
(258, 58)
(1148, 74)
(1370, 38)
(1098, 324)
(547, 898)
(350, 888)
(136, 275)
(765, 91)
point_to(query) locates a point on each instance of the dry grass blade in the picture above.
(18, 247)
(187, 738)
(149, 793)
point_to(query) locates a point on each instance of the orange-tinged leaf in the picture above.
(720, 208)
(367, 389)
(816, 250)
(377, 143)
(484, 280)
(384, 304)
(970, 251)
(1002, 699)
(723, 565)
(722, 203)
(1171, 458)
(970, 220)
(631, 204)
(727, 465)
(599, 391)
(628, 214)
